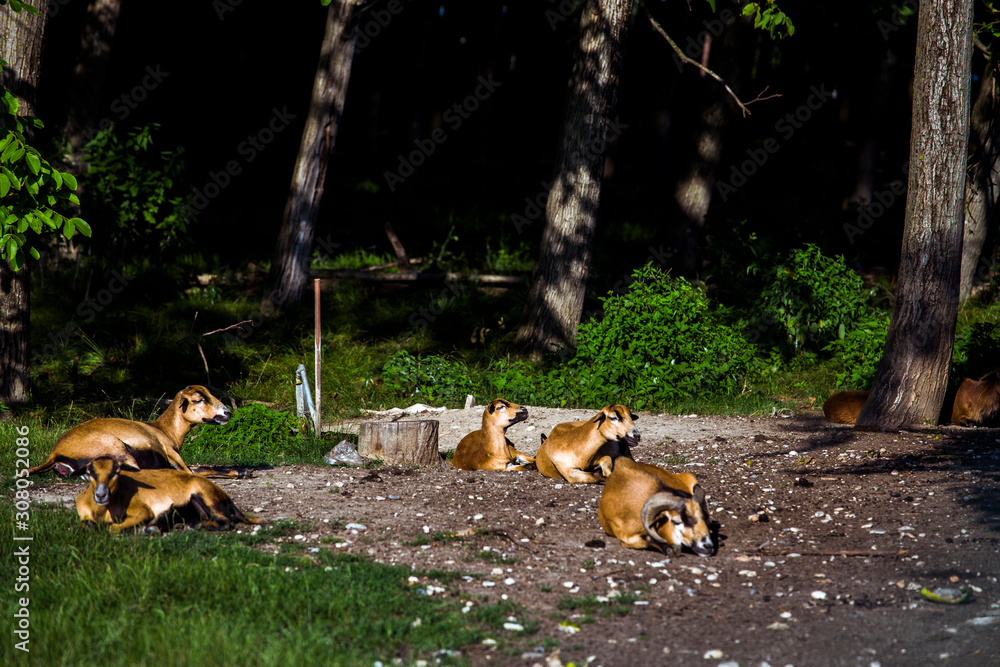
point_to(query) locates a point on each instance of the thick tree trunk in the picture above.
(21, 47)
(910, 384)
(290, 265)
(96, 39)
(558, 286)
(983, 182)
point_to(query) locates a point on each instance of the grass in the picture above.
(190, 597)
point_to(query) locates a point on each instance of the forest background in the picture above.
(742, 262)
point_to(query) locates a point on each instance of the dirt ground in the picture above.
(826, 538)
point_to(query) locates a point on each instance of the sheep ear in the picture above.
(633, 416)
(184, 405)
(599, 419)
(699, 494)
(491, 409)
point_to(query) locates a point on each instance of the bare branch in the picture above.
(680, 54)
(231, 326)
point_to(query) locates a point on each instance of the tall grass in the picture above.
(195, 598)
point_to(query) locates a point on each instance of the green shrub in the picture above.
(430, 379)
(659, 341)
(859, 352)
(977, 349)
(135, 192)
(256, 435)
(814, 299)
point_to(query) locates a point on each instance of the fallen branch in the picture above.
(680, 54)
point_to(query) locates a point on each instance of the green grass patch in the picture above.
(193, 597)
(619, 605)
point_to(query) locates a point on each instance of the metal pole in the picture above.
(317, 336)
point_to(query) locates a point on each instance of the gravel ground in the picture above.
(827, 537)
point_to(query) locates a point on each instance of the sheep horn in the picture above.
(661, 501)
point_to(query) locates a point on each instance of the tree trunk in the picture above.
(21, 47)
(400, 443)
(910, 384)
(559, 282)
(983, 181)
(290, 266)
(96, 38)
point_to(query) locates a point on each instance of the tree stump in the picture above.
(405, 443)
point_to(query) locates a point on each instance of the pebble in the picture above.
(489, 583)
(714, 654)
(355, 526)
(568, 584)
(777, 625)
(819, 595)
(514, 627)
(984, 620)
(509, 581)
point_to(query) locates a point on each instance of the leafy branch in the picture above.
(32, 191)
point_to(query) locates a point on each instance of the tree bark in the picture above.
(96, 38)
(290, 266)
(910, 384)
(21, 47)
(559, 282)
(400, 443)
(983, 181)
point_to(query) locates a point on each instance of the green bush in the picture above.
(256, 435)
(430, 379)
(859, 352)
(134, 191)
(977, 349)
(814, 299)
(659, 341)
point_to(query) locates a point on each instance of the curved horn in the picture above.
(662, 501)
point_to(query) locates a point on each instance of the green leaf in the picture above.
(4, 185)
(34, 164)
(70, 180)
(68, 229)
(11, 102)
(57, 178)
(34, 253)
(81, 225)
